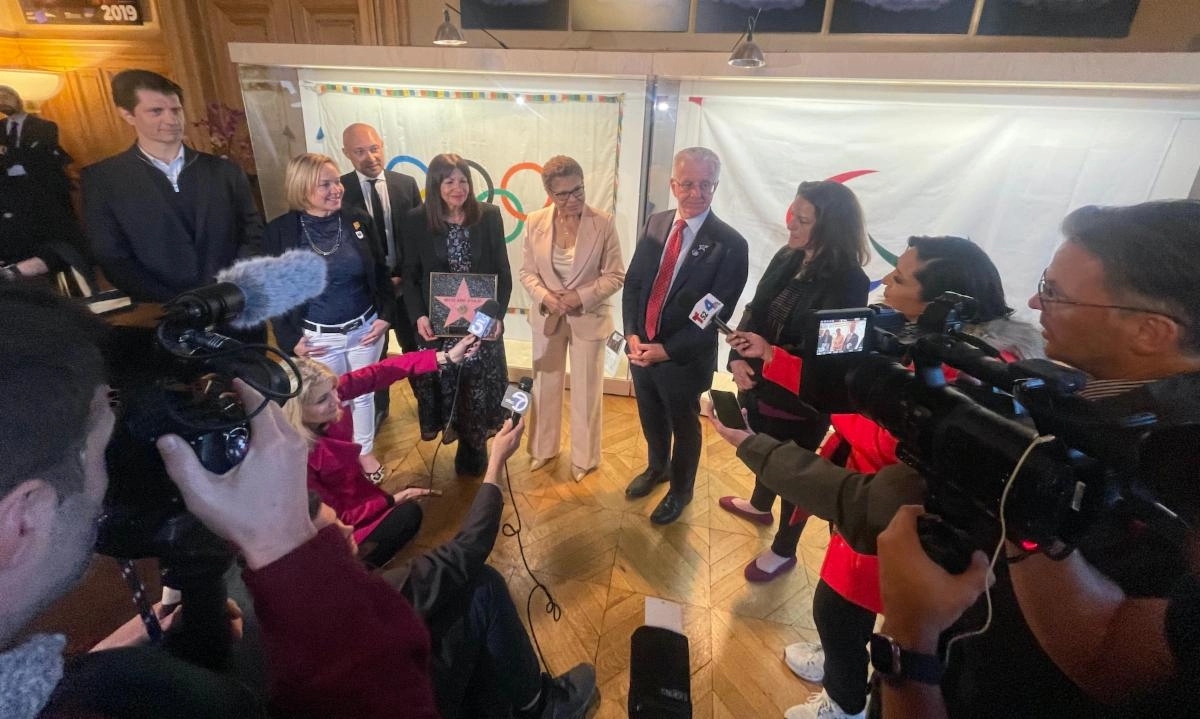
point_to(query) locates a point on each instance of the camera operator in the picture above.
(1119, 302)
(53, 435)
(846, 599)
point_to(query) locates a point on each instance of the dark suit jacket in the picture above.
(403, 195)
(283, 234)
(36, 215)
(139, 240)
(425, 252)
(717, 262)
(832, 290)
(35, 132)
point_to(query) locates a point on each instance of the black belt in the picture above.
(342, 328)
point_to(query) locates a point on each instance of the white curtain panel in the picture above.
(1003, 171)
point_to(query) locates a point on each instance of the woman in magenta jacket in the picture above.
(382, 522)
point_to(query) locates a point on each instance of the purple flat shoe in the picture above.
(727, 504)
(758, 576)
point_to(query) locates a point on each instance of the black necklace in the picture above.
(337, 241)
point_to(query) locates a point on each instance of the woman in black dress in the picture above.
(454, 232)
(820, 268)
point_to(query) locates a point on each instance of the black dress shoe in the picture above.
(669, 509)
(644, 483)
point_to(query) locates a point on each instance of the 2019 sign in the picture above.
(82, 12)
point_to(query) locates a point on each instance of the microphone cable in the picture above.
(553, 608)
(450, 418)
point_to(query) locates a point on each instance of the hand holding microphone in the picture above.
(464, 349)
(749, 344)
(487, 324)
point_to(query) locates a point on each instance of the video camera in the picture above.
(973, 441)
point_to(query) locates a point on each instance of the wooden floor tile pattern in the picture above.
(601, 557)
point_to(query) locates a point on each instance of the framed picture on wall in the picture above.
(776, 16)
(453, 299)
(918, 17)
(514, 14)
(631, 15)
(83, 12)
(1058, 18)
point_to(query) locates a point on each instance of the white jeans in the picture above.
(346, 354)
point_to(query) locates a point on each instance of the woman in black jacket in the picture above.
(454, 232)
(346, 325)
(820, 268)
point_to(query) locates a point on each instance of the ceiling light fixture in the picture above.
(449, 34)
(748, 53)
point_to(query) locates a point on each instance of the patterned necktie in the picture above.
(662, 281)
(380, 219)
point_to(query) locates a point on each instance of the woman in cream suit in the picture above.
(572, 265)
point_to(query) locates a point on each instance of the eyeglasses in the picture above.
(577, 193)
(1048, 295)
(705, 187)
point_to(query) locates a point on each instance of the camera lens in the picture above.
(237, 442)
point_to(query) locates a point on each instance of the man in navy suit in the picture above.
(161, 217)
(387, 197)
(39, 232)
(852, 339)
(672, 360)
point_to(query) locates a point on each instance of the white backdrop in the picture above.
(1001, 169)
(509, 135)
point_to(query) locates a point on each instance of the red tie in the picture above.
(662, 281)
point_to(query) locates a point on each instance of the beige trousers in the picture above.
(587, 387)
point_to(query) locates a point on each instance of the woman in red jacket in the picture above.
(382, 522)
(846, 599)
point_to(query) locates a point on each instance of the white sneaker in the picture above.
(821, 706)
(806, 660)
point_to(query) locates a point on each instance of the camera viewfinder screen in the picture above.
(839, 336)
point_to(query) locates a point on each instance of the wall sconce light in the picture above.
(449, 34)
(748, 53)
(34, 86)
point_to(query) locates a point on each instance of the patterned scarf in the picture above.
(28, 675)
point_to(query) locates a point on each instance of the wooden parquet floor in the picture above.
(600, 557)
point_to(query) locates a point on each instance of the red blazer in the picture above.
(333, 469)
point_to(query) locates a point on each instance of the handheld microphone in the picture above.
(251, 291)
(517, 399)
(486, 317)
(704, 310)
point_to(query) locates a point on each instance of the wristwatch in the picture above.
(894, 662)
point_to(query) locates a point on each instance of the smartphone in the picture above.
(728, 410)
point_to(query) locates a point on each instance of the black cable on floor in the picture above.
(552, 607)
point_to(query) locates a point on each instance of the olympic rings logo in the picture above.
(508, 199)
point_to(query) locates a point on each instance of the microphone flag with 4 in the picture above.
(705, 311)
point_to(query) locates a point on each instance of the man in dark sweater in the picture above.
(161, 217)
(353, 647)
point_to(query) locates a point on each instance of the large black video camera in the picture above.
(176, 378)
(1009, 435)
